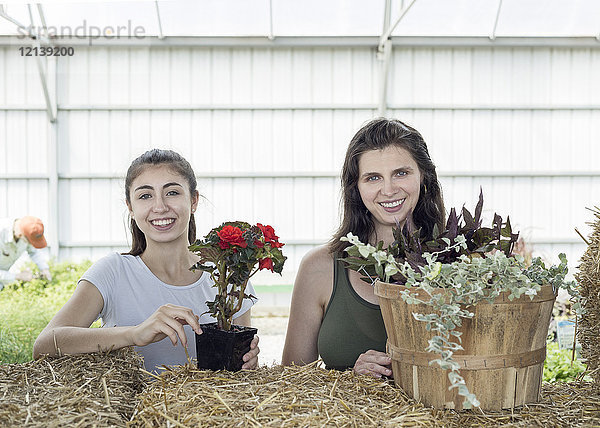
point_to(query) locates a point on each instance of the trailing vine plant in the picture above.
(470, 263)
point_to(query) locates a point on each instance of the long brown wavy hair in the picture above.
(379, 134)
(176, 163)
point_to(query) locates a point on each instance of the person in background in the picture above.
(17, 236)
(147, 297)
(387, 177)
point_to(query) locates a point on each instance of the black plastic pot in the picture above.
(219, 349)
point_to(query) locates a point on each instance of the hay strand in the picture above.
(588, 278)
(109, 389)
(87, 390)
(311, 396)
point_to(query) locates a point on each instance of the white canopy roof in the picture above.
(273, 18)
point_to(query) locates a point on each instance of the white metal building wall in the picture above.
(266, 130)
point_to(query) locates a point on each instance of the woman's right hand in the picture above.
(373, 363)
(168, 320)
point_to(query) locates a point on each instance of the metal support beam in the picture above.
(312, 174)
(43, 20)
(286, 42)
(315, 107)
(271, 36)
(42, 71)
(53, 178)
(383, 55)
(4, 15)
(493, 33)
(387, 34)
(384, 52)
(160, 30)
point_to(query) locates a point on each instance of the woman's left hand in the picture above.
(374, 363)
(251, 357)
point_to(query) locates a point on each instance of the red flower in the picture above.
(270, 237)
(265, 263)
(231, 235)
(258, 244)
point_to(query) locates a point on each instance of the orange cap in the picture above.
(33, 230)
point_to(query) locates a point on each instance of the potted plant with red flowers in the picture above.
(232, 253)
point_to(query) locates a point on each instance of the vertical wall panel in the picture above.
(201, 148)
(483, 82)
(449, 85)
(282, 83)
(221, 73)
(99, 148)
(301, 144)
(200, 83)
(161, 82)
(76, 78)
(322, 76)
(16, 135)
(541, 76)
(500, 76)
(302, 87)
(442, 74)
(3, 72)
(180, 75)
(342, 75)
(241, 79)
(264, 142)
(119, 72)
(423, 69)
(261, 72)
(118, 143)
(3, 143)
(462, 76)
(140, 87)
(244, 149)
(99, 85)
(321, 149)
(364, 77)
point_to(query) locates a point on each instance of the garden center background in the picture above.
(263, 96)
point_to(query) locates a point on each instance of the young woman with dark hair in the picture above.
(387, 177)
(147, 297)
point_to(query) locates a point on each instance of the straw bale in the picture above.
(95, 389)
(74, 391)
(588, 278)
(311, 396)
(275, 396)
(572, 404)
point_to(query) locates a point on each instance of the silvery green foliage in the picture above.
(465, 282)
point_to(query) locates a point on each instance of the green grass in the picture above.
(26, 308)
(279, 288)
(558, 366)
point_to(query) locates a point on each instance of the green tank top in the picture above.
(351, 325)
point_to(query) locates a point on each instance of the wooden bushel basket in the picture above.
(503, 357)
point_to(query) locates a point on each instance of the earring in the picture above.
(425, 188)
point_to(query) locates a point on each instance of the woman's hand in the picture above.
(251, 357)
(373, 363)
(168, 320)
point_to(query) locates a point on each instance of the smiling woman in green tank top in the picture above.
(387, 177)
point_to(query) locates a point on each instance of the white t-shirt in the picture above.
(132, 293)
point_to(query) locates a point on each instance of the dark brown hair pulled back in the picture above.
(176, 163)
